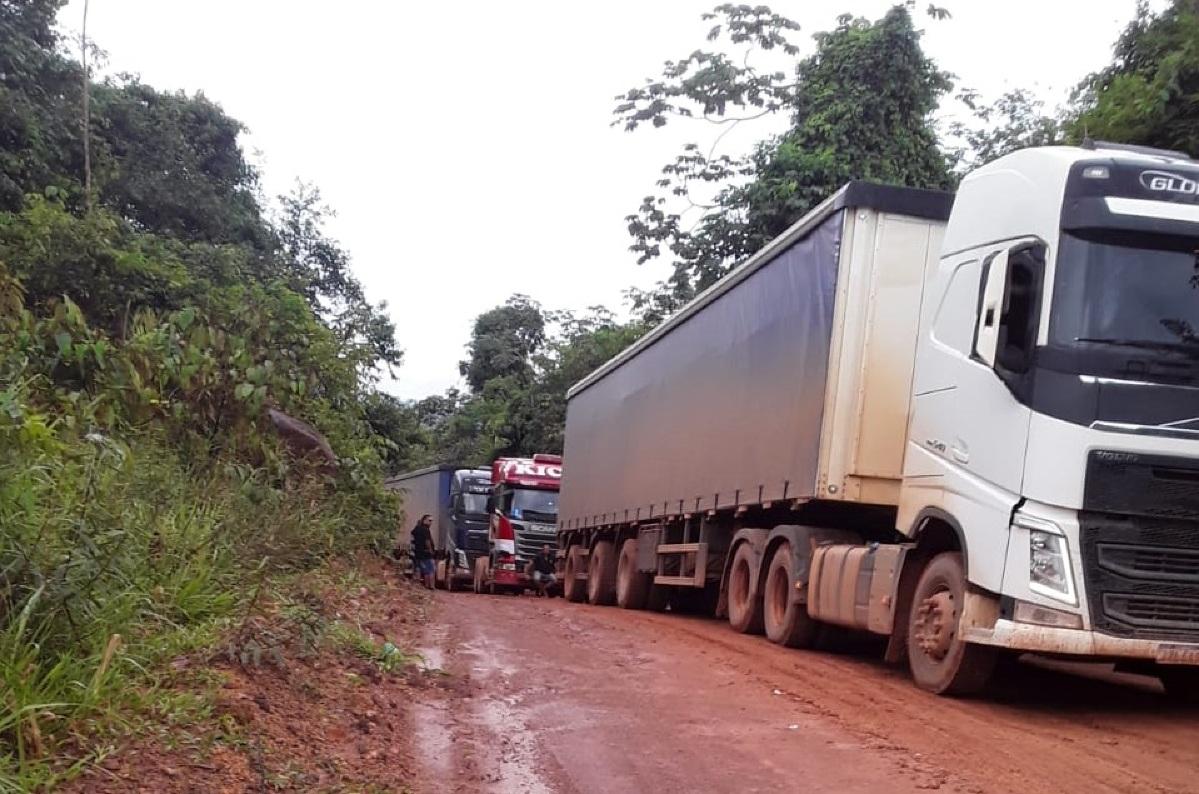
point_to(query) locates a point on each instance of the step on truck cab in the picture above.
(523, 509)
(969, 423)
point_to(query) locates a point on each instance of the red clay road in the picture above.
(547, 696)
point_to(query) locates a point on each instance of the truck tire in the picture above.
(601, 574)
(745, 604)
(574, 589)
(632, 586)
(940, 661)
(1181, 684)
(786, 622)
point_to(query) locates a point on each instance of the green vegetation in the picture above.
(148, 330)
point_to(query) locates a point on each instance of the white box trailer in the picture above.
(788, 380)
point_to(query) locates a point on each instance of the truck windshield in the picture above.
(1140, 293)
(474, 504)
(534, 505)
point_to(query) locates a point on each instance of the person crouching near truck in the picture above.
(542, 566)
(422, 549)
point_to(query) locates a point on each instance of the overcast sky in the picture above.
(466, 147)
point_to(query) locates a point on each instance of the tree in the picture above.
(1150, 93)
(861, 108)
(1017, 120)
(171, 163)
(502, 343)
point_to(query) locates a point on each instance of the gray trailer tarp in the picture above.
(651, 434)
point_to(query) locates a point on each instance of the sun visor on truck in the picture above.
(1106, 194)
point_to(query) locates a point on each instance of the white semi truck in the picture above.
(969, 423)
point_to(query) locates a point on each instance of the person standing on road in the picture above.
(543, 570)
(422, 549)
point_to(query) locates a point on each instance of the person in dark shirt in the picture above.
(422, 549)
(542, 566)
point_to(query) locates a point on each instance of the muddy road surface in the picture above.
(548, 696)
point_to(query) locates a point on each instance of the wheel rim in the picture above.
(936, 625)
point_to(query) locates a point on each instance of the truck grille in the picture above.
(1155, 612)
(1139, 532)
(1148, 562)
(531, 537)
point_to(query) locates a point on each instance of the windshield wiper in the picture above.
(1190, 346)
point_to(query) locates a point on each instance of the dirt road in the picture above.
(558, 697)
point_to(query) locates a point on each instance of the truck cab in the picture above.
(523, 509)
(1054, 425)
(467, 509)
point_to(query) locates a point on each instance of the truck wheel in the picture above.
(786, 622)
(745, 605)
(1181, 684)
(574, 588)
(632, 586)
(601, 574)
(941, 662)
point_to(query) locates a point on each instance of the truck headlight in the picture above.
(1049, 570)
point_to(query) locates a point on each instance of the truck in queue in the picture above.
(456, 499)
(523, 509)
(968, 423)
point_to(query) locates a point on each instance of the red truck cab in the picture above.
(524, 516)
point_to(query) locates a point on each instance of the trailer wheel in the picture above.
(941, 662)
(632, 586)
(787, 622)
(745, 605)
(601, 574)
(574, 588)
(1181, 683)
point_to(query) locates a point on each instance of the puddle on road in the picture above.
(434, 740)
(432, 659)
(518, 760)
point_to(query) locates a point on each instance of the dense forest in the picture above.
(190, 400)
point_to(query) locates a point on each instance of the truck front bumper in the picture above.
(1078, 642)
